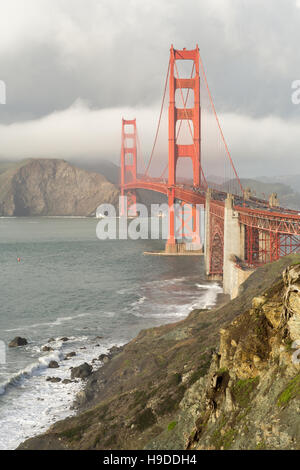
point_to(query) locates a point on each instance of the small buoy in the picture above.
(19, 260)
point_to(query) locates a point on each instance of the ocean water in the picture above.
(96, 293)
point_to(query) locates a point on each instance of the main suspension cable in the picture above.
(159, 120)
(218, 122)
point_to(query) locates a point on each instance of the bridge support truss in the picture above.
(268, 238)
(214, 238)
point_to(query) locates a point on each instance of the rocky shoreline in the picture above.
(82, 371)
(182, 385)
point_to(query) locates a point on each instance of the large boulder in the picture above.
(18, 341)
(70, 354)
(81, 372)
(103, 358)
(53, 365)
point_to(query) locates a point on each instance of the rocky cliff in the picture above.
(52, 187)
(250, 397)
(221, 379)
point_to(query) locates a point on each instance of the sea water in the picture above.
(96, 293)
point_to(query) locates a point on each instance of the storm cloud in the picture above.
(73, 68)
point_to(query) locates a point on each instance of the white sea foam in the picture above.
(43, 402)
(206, 300)
(30, 371)
(166, 282)
(209, 298)
(58, 321)
(138, 302)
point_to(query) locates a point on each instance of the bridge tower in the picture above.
(128, 164)
(176, 151)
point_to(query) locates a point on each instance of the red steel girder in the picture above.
(266, 220)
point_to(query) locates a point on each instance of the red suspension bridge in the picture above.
(241, 231)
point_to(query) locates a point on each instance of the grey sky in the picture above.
(110, 57)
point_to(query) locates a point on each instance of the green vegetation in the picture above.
(222, 371)
(201, 372)
(74, 434)
(145, 419)
(242, 390)
(261, 445)
(171, 402)
(111, 441)
(290, 392)
(175, 379)
(172, 425)
(222, 439)
(140, 398)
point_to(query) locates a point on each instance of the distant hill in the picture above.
(291, 180)
(4, 166)
(37, 187)
(288, 197)
(110, 170)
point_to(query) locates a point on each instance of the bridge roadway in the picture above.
(252, 208)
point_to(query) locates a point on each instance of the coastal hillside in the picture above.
(290, 180)
(111, 172)
(40, 187)
(289, 196)
(220, 379)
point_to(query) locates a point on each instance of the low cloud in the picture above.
(81, 134)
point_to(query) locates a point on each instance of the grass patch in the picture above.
(140, 398)
(222, 371)
(175, 379)
(172, 425)
(145, 419)
(201, 372)
(223, 440)
(242, 391)
(74, 434)
(291, 391)
(261, 445)
(171, 402)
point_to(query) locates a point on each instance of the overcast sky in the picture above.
(73, 68)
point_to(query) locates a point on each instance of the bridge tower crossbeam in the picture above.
(176, 150)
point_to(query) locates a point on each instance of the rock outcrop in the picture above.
(250, 397)
(53, 365)
(17, 341)
(81, 372)
(40, 187)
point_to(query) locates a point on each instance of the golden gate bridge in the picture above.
(241, 231)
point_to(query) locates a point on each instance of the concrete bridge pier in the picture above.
(229, 249)
(234, 245)
(234, 271)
